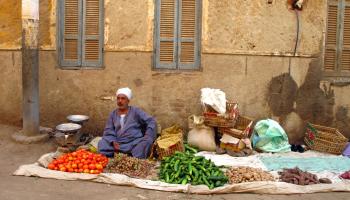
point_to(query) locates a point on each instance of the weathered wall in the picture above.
(245, 45)
(261, 28)
(10, 87)
(10, 24)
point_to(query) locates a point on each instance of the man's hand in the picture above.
(116, 146)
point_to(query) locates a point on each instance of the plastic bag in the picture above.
(214, 98)
(269, 136)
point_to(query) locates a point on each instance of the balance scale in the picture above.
(69, 134)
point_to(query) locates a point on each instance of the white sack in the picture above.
(203, 138)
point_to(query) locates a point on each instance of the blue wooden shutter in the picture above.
(166, 31)
(189, 34)
(92, 36)
(69, 33)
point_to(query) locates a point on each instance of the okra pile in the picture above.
(183, 168)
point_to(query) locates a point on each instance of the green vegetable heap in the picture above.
(183, 168)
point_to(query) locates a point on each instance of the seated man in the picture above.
(128, 130)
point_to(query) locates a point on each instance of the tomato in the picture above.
(80, 165)
(60, 161)
(86, 171)
(85, 167)
(54, 162)
(74, 154)
(76, 170)
(63, 169)
(80, 170)
(99, 166)
(51, 166)
(92, 166)
(74, 166)
(68, 166)
(70, 170)
(90, 156)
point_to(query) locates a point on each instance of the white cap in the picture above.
(126, 91)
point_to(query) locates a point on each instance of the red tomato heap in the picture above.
(81, 161)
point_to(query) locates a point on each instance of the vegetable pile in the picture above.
(345, 175)
(130, 166)
(298, 177)
(248, 174)
(183, 168)
(81, 161)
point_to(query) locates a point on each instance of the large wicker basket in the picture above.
(214, 119)
(242, 128)
(325, 139)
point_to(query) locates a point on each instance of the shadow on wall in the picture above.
(295, 106)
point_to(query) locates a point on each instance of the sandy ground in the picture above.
(31, 188)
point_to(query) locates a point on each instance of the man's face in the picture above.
(122, 101)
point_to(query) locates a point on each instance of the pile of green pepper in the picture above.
(183, 168)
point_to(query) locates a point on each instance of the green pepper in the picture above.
(190, 169)
(205, 181)
(176, 165)
(167, 177)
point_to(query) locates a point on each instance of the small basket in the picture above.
(214, 119)
(242, 128)
(179, 146)
(324, 139)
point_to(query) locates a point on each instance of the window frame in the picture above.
(339, 46)
(197, 65)
(60, 36)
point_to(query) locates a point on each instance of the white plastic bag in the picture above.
(214, 98)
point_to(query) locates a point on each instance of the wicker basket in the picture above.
(179, 146)
(325, 139)
(214, 119)
(242, 128)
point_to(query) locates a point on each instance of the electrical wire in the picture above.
(298, 28)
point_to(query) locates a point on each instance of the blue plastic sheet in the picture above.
(315, 164)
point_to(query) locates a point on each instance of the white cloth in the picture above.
(126, 91)
(214, 98)
(262, 187)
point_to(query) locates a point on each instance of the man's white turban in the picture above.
(126, 91)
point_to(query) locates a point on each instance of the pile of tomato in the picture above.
(81, 161)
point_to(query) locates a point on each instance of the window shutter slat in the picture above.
(166, 43)
(331, 38)
(69, 40)
(188, 34)
(92, 33)
(346, 39)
